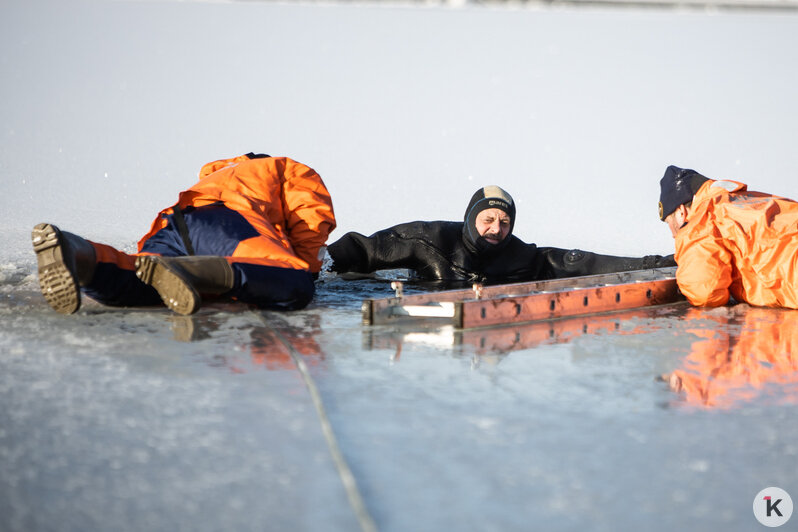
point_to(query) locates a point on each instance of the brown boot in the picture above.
(66, 262)
(180, 280)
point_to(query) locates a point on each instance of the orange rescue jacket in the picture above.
(739, 242)
(285, 201)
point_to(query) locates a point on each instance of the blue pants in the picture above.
(213, 230)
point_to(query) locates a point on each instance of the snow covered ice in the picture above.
(139, 420)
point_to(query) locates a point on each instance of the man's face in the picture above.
(676, 219)
(493, 225)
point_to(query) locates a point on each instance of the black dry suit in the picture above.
(454, 251)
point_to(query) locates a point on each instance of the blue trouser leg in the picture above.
(217, 230)
(271, 287)
(117, 287)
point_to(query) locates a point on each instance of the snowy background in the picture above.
(111, 420)
(108, 110)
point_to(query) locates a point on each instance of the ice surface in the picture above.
(138, 420)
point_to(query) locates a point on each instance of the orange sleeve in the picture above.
(308, 212)
(704, 271)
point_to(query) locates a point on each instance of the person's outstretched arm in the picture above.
(428, 248)
(575, 262)
(705, 272)
(383, 250)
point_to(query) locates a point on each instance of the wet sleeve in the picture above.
(575, 262)
(383, 250)
(704, 273)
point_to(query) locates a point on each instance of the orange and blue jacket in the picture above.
(285, 202)
(738, 243)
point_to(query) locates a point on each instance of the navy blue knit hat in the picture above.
(677, 187)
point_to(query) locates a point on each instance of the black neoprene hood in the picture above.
(490, 197)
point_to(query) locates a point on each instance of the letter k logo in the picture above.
(772, 506)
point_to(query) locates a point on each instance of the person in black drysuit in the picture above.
(457, 253)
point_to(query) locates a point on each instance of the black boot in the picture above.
(66, 262)
(180, 280)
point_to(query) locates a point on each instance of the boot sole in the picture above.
(58, 284)
(176, 294)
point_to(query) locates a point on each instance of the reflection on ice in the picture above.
(517, 337)
(745, 352)
(265, 345)
(565, 406)
(734, 354)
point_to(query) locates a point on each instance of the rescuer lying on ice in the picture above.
(482, 248)
(250, 230)
(730, 241)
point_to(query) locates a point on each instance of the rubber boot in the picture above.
(66, 262)
(180, 280)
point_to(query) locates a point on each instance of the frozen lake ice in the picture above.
(140, 420)
(131, 420)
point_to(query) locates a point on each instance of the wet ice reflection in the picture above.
(266, 335)
(563, 422)
(734, 354)
(740, 354)
(558, 423)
